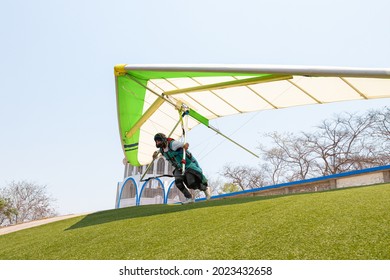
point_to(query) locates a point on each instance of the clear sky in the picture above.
(57, 96)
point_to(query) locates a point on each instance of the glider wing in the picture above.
(150, 98)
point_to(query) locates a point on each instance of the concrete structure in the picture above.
(155, 188)
(160, 190)
(369, 176)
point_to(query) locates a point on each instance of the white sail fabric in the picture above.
(214, 91)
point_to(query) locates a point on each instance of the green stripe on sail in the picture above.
(199, 117)
(131, 97)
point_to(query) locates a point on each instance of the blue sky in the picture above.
(58, 109)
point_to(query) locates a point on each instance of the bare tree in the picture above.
(229, 188)
(245, 177)
(275, 165)
(30, 201)
(382, 124)
(381, 132)
(290, 159)
(343, 143)
(215, 184)
(6, 211)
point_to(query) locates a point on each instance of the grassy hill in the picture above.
(350, 223)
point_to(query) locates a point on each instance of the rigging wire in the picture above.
(231, 134)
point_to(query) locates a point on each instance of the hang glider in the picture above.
(151, 98)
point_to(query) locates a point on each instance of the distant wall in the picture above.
(360, 180)
(364, 177)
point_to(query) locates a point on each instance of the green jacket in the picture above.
(175, 158)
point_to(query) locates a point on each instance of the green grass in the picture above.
(348, 224)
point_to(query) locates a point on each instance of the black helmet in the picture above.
(161, 137)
